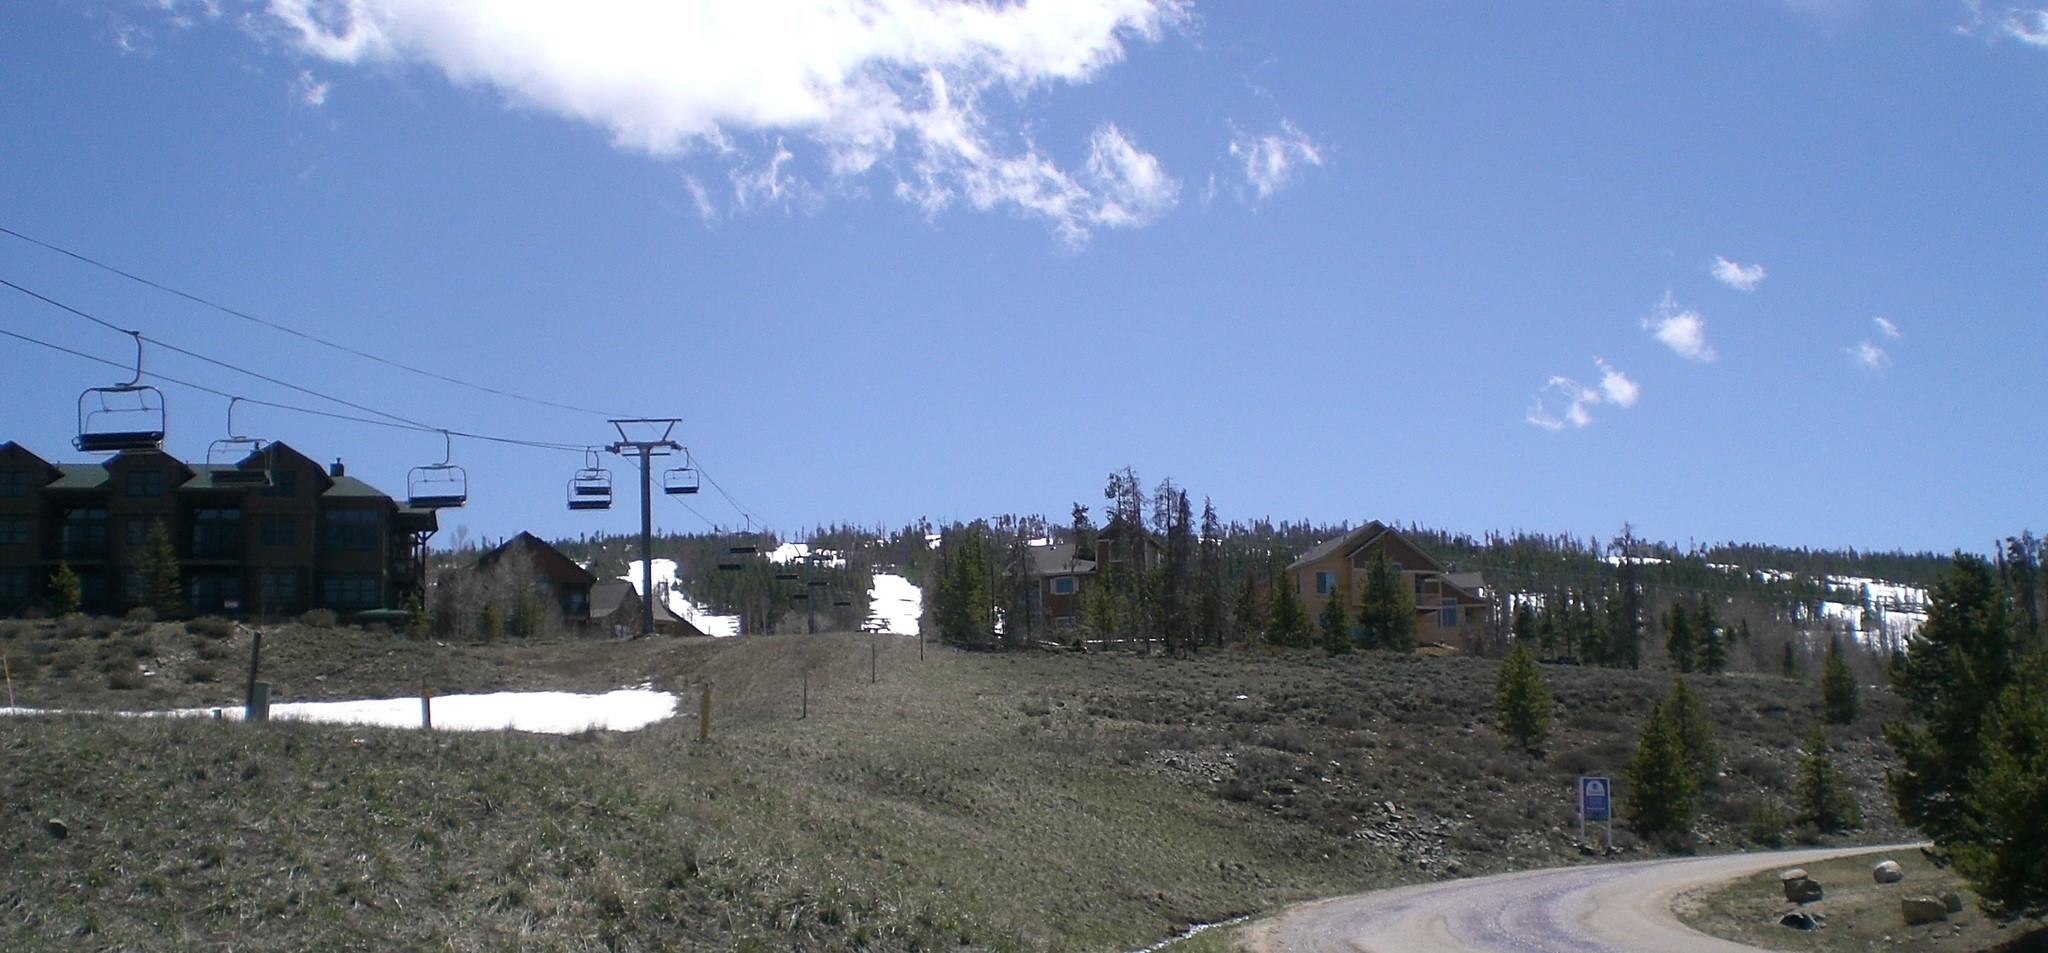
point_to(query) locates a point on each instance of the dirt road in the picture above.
(1611, 908)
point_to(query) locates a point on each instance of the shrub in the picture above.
(1766, 824)
(201, 673)
(125, 678)
(212, 625)
(320, 618)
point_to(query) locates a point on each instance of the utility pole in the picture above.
(648, 450)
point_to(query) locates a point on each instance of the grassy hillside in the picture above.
(1023, 801)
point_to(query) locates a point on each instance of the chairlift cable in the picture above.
(296, 332)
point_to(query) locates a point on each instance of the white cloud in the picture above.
(2007, 21)
(1564, 402)
(1739, 277)
(1887, 328)
(853, 85)
(1681, 331)
(311, 91)
(1869, 356)
(1270, 161)
(1616, 385)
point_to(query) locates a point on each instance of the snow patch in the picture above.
(894, 605)
(670, 591)
(798, 552)
(554, 713)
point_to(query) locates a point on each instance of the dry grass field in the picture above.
(924, 800)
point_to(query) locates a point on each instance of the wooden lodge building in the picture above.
(273, 535)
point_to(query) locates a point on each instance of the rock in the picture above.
(1918, 910)
(1796, 873)
(1800, 921)
(55, 827)
(1887, 871)
(1952, 900)
(1803, 890)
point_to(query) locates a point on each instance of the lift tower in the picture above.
(648, 449)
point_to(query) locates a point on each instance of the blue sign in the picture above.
(1594, 803)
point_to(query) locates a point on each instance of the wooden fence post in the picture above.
(426, 707)
(704, 715)
(805, 710)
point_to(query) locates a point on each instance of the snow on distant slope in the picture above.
(670, 591)
(894, 605)
(796, 552)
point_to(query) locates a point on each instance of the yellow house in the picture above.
(1450, 607)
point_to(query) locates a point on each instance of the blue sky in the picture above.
(1761, 271)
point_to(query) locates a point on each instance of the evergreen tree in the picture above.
(1527, 627)
(1246, 612)
(1209, 609)
(1712, 651)
(65, 590)
(2006, 855)
(1625, 613)
(1286, 618)
(1386, 613)
(1083, 529)
(1662, 790)
(1956, 666)
(1790, 666)
(1695, 732)
(1678, 636)
(1335, 623)
(160, 573)
(1521, 701)
(1838, 696)
(1822, 795)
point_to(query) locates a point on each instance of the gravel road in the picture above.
(1609, 908)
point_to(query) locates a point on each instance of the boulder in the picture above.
(1796, 873)
(1952, 900)
(1800, 921)
(1803, 890)
(1887, 871)
(1918, 910)
(55, 827)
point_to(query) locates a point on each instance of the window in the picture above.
(14, 482)
(283, 484)
(216, 592)
(84, 534)
(140, 484)
(575, 602)
(351, 591)
(1447, 616)
(280, 587)
(136, 532)
(1063, 586)
(14, 586)
(1325, 581)
(279, 531)
(351, 531)
(217, 532)
(13, 532)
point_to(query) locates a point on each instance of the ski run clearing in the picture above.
(894, 603)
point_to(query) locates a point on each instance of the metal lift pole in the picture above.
(647, 450)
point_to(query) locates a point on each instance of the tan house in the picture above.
(1450, 607)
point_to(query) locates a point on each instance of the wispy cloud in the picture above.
(2027, 24)
(1683, 331)
(1869, 356)
(1271, 161)
(1887, 328)
(903, 87)
(1739, 277)
(309, 90)
(1563, 402)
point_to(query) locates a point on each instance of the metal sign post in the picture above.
(1596, 803)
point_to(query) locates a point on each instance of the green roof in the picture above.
(79, 476)
(348, 486)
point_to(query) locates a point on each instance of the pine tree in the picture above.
(1712, 638)
(1335, 623)
(1956, 666)
(1209, 610)
(160, 573)
(1527, 627)
(1662, 791)
(1790, 666)
(1386, 613)
(65, 590)
(1821, 794)
(2006, 856)
(1838, 696)
(1521, 701)
(1246, 612)
(1287, 620)
(1695, 732)
(1678, 636)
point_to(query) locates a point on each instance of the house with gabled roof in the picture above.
(278, 534)
(567, 584)
(1451, 608)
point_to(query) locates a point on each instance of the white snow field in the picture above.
(894, 605)
(554, 713)
(671, 592)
